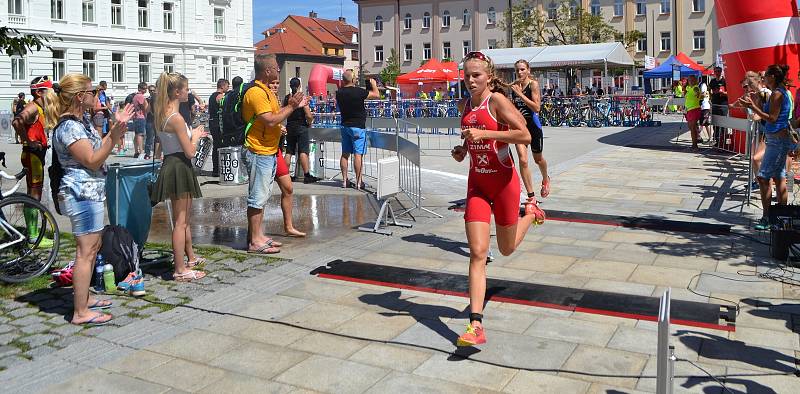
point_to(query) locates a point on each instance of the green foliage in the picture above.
(12, 42)
(392, 70)
(572, 25)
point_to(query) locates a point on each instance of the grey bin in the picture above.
(232, 171)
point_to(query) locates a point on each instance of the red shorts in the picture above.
(693, 115)
(281, 168)
(498, 194)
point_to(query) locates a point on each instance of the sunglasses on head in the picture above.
(475, 55)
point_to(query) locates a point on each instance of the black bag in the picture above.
(234, 128)
(55, 171)
(120, 250)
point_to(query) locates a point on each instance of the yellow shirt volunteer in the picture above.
(261, 139)
(692, 97)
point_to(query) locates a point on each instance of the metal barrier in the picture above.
(737, 136)
(380, 145)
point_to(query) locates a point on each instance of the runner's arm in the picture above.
(775, 104)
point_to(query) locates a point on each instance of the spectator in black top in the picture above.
(186, 108)
(214, 120)
(150, 137)
(297, 133)
(719, 100)
(350, 100)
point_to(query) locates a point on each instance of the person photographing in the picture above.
(350, 100)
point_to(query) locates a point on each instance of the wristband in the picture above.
(531, 194)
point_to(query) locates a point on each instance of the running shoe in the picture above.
(126, 283)
(489, 257)
(310, 179)
(763, 224)
(474, 336)
(532, 208)
(137, 285)
(754, 185)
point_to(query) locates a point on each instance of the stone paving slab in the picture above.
(537, 382)
(398, 358)
(403, 382)
(601, 361)
(466, 371)
(566, 330)
(332, 375)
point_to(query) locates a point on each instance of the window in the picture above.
(466, 47)
(641, 44)
(594, 7)
(219, 22)
(18, 68)
(619, 7)
(407, 22)
(214, 68)
(117, 67)
(446, 18)
(59, 64)
(116, 13)
(378, 23)
(641, 7)
(144, 17)
(354, 55)
(699, 40)
(15, 7)
(491, 43)
(573, 9)
(57, 9)
(88, 11)
(408, 53)
(378, 53)
(89, 65)
(552, 11)
(491, 16)
(169, 16)
(446, 53)
(526, 12)
(226, 68)
(426, 51)
(466, 18)
(169, 63)
(426, 20)
(665, 6)
(666, 41)
(698, 5)
(144, 67)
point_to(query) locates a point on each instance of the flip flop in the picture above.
(99, 304)
(264, 249)
(196, 262)
(272, 242)
(93, 321)
(189, 276)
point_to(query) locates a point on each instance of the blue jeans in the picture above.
(86, 216)
(262, 174)
(150, 133)
(773, 165)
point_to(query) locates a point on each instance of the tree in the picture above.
(392, 70)
(12, 42)
(570, 24)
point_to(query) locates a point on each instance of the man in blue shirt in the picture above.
(104, 105)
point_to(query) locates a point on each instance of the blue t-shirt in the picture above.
(783, 116)
(79, 182)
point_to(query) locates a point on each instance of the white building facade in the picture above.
(124, 42)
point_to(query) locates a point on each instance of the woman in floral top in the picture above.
(82, 154)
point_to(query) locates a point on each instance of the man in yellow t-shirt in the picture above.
(261, 107)
(692, 104)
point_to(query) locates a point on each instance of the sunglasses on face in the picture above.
(93, 92)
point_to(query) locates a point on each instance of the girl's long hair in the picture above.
(166, 88)
(56, 104)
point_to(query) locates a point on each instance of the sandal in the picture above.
(545, 187)
(94, 321)
(272, 242)
(266, 248)
(532, 208)
(101, 304)
(188, 276)
(197, 261)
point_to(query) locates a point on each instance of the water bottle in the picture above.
(108, 278)
(98, 273)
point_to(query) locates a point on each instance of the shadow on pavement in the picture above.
(750, 387)
(715, 347)
(443, 243)
(787, 312)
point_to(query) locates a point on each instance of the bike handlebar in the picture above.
(16, 177)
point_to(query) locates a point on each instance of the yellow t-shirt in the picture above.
(692, 97)
(261, 139)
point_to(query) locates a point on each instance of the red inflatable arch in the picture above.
(322, 75)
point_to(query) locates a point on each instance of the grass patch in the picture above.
(12, 290)
(22, 346)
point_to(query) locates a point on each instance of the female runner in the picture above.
(489, 123)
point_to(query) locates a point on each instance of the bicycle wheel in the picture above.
(22, 257)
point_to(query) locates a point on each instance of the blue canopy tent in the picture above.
(665, 71)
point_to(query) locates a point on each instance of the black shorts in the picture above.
(537, 137)
(297, 140)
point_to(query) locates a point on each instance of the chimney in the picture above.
(342, 19)
(312, 14)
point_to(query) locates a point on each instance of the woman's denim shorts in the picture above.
(773, 165)
(86, 216)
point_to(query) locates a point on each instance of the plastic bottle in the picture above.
(108, 278)
(98, 273)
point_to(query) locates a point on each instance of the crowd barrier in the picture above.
(738, 137)
(383, 141)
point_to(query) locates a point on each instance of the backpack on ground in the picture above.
(234, 128)
(120, 250)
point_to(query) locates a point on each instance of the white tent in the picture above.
(560, 56)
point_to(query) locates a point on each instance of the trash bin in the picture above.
(128, 199)
(231, 169)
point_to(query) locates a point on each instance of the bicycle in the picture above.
(21, 257)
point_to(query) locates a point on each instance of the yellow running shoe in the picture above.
(474, 336)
